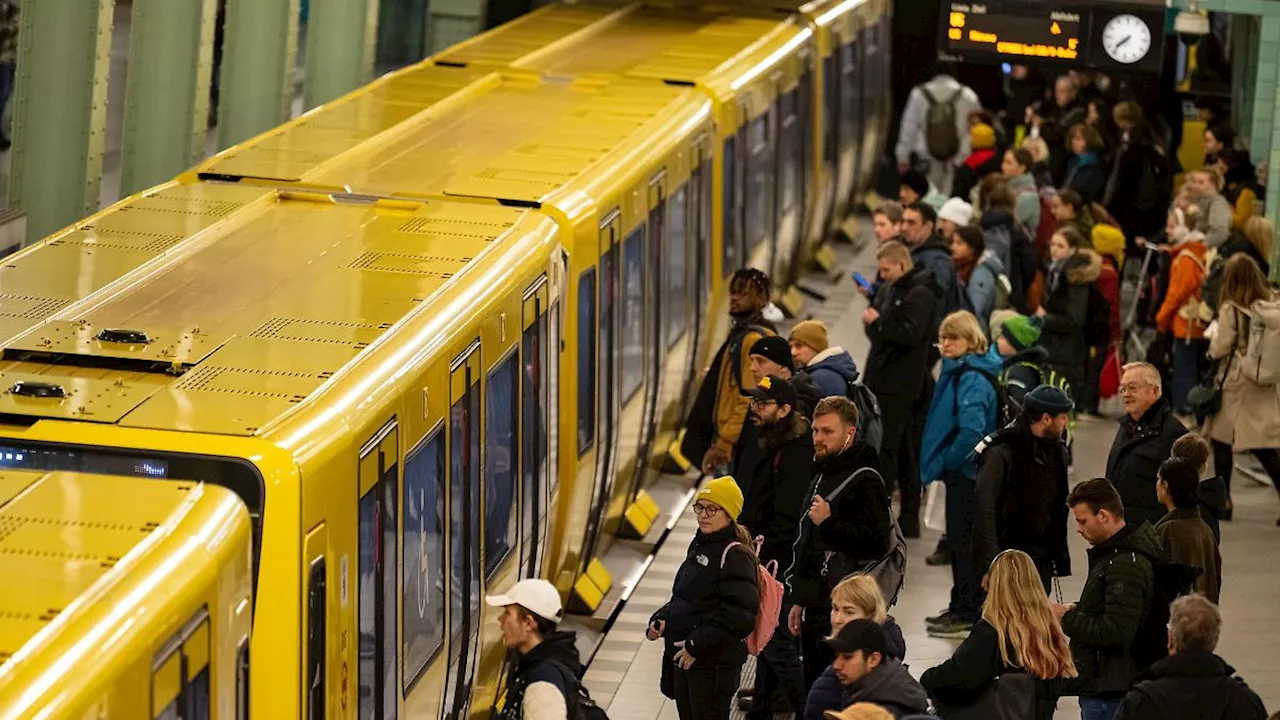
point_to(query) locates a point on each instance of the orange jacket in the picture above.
(1186, 278)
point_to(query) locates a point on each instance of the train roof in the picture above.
(67, 538)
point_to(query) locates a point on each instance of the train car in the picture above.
(126, 598)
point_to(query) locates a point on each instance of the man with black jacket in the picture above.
(847, 527)
(1117, 596)
(774, 470)
(902, 329)
(544, 683)
(1022, 487)
(1192, 682)
(1145, 439)
(930, 251)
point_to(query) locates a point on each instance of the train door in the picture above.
(655, 312)
(464, 530)
(699, 259)
(316, 622)
(377, 588)
(848, 125)
(606, 410)
(760, 213)
(830, 132)
(535, 419)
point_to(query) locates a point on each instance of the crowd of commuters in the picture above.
(993, 320)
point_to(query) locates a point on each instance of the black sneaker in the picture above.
(943, 616)
(952, 629)
(910, 525)
(941, 556)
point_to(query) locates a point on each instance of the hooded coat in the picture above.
(891, 687)
(1138, 450)
(902, 336)
(828, 694)
(832, 369)
(963, 411)
(1014, 247)
(1066, 308)
(1022, 498)
(539, 687)
(1116, 597)
(982, 284)
(1250, 414)
(858, 528)
(1187, 539)
(774, 470)
(1190, 685)
(1177, 314)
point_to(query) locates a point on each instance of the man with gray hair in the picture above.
(1192, 682)
(1143, 441)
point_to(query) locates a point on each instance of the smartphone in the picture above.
(862, 282)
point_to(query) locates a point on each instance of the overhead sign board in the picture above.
(1067, 35)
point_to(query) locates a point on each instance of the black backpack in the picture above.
(941, 135)
(870, 424)
(1006, 411)
(578, 702)
(1172, 580)
(1097, 319)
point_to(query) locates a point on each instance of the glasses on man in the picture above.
(705, 510)
(1131, 388)
(759, 403)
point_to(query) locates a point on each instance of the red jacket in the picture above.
(977, 157)
(1109, 286)
(1186, 278)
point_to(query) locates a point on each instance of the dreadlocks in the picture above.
(750, 278)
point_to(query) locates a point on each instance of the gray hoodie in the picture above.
(891, 687)
(1027, 210)
(1215, 219)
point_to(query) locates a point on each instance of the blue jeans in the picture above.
(1099, 708)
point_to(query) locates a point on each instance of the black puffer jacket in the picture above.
(774, 470)
(548, 662)
(1193, 684)
(902, 336)
(1066, 308)
(858, 528)
(712, 608)
(1116, 597)
(1136, 453)
(1022, 498)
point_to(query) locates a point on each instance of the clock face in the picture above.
(1126, 38)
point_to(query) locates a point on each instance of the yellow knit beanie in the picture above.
(723, 491)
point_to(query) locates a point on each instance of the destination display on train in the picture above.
(1014, 31)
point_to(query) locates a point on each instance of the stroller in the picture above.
(1141, 339)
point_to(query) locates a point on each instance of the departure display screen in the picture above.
(1014, 31)
(44, 459)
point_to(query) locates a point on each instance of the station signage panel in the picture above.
(1067, 35)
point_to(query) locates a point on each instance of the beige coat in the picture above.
(1250, 415)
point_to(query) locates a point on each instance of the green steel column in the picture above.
(341, 40)
(167, 100)
(260, 43)
(452, 21)
(60, 111)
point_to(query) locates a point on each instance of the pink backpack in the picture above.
(770, 599)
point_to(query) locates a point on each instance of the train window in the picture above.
(317, 603)
(729, 242)
(788, 151)
(377, 570)
(676, 275)
(422, 565)
(242, 681)
(631, 301)
(830, 110)
(586, 360)
(180, 673)
(502, 417)
(759, 200)
(533, 440)
(464, 492)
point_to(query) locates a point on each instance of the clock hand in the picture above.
(1125, 40)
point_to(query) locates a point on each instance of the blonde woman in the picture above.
(963, 412)
(857, 597)
(1018, 632)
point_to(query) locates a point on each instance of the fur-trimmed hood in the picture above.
(1084, 267)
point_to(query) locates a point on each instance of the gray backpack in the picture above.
(941, 134)
(890, 571)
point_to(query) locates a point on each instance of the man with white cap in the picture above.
(548, 669)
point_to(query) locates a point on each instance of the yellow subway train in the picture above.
(430, 338)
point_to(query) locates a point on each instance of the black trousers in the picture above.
(899, 454)
(1088, 396)
(704, 692)
(1224, 462)
(778, 673)
(966, 590)
(817, 655)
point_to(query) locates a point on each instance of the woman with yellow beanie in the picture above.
(712, 609)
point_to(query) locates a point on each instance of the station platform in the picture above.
(623, 674)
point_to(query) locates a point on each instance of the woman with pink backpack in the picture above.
(713, 609)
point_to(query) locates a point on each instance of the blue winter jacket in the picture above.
(982, 287)
(832, 369)
(828, 694)
(963, 412)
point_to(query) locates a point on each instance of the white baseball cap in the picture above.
(535, 595)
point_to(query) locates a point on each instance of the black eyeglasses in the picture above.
(705, 510)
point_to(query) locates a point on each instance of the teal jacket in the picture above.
(963, 412)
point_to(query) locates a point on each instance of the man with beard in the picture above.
(774, 469)
(720, 406)
(846, 527)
